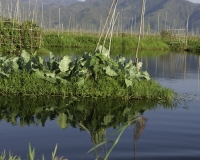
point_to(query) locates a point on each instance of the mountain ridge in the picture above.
(90, 14)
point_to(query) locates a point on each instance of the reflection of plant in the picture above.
(95, 116)
(120, 130)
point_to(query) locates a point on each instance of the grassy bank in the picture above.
(83, 40)
(26, 84)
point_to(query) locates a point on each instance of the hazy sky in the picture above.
(194, 1)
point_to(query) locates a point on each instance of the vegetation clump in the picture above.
(91, 75)
(15, 35)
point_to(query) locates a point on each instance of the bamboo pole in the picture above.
(135, 24)
(105, 25)
(165, 20)
(69, 22)
(58, 22)
(186, 37)
(144, 3)
(112, 22)
(42, 19)
(139, 37)
(158, 22)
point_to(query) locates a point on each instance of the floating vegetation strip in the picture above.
(92, 75)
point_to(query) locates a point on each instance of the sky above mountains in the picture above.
(194, 1)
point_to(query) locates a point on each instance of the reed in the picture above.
(31, 155)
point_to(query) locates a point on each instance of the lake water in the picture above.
(164, 131)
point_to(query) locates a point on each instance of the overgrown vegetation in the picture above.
(15, 36)
(92, 75)
(83, 40)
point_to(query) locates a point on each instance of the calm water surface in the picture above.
(167, 132)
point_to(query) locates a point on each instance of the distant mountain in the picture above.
(90, 14)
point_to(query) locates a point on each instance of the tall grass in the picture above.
(124, 41)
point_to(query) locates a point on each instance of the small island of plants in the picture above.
(91, 75)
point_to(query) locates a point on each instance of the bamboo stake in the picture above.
(69, 22)
(104, 25)
(166, 20)
(186, 38)
(132, 27)
(139, 37)
(135, 24)
(29, 10)
(111, 24)
(59, 22)
(100, 25)
(158, 22)
(42, 16)
(143, 18)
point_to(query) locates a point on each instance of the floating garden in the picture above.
(92, 75)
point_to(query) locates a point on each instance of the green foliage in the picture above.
(16, 35)
(90, 66)
(193, 44)
(28, 74)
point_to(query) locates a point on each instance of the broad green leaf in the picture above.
(51, 57)
(104, 51)
(82, 62)
(129, 64)
(15, 65)
(121, 59)
(40, 74)
(94, 61)
(128, 82)
(41, 61)
(4, 74)
(64, 64)
(26, 56)
(146, 75)
(81, 82)
(139, 65)
(49, 74)
(52, 80)
(109, 71)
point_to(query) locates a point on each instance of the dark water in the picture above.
(164, 131)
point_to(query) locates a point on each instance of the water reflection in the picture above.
(95, 116)
(172, 65)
